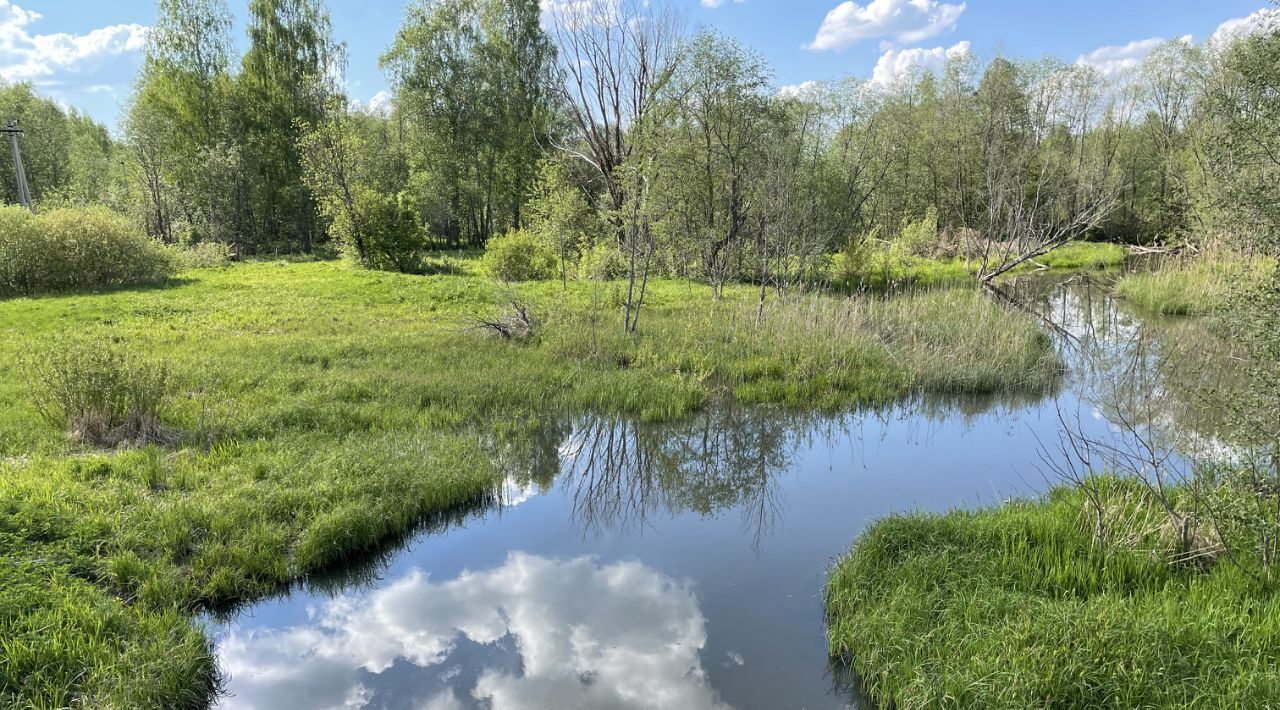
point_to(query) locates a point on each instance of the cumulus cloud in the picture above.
(1119, 58)
(1113, 60)
(533, 632)
(802, 90)
(26, 56)
(381, 103)
(897, 65)
(907, 21)
(1265, 20)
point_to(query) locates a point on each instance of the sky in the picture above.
(85, 53)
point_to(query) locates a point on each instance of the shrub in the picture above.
(204, 255)
(102, 393)
(75, 247)
(381, 232)
(603, 262)
(919, 238)
(519, 255)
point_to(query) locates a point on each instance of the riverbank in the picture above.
(320, 410)
(885, 269)
(1194, 286)
(1017, 606)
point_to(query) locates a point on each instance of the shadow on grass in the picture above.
(138, 287)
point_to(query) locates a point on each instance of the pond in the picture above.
(679, 565)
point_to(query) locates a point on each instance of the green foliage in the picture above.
(919, 237)
(75, 248)
(520, 255)
(284, 83)
(603, 262)
(100, 391)
(472, 77)
(1243, 145)
(381, 232)
(560, 215)
(204, 255)
(1018, 607)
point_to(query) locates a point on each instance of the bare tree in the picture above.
(614, 58)
(1045, 184)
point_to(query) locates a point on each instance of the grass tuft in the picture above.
(100, 392)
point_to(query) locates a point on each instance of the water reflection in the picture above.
(532, 632)
(631, 564)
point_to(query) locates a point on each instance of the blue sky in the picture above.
(84, 53)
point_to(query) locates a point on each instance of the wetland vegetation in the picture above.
(269, 349)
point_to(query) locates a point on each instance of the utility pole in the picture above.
(24, 191)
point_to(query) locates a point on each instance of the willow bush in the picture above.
(75, 248)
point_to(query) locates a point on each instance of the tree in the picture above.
(1244, 145)
(178, 125)
(287, 76)
(473, 77)
(1044, 187)
(615, 57)
(721, 105)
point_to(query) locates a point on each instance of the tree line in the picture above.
(614, 135)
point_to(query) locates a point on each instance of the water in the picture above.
(672, 566)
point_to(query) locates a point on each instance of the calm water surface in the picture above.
(670, 566)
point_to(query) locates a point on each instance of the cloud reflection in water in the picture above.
(563, 633)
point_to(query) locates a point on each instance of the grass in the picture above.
(327, 410)
(888, 270)
(1015, 607)
(1192, 287)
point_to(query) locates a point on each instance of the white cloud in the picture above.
(718, 3)
(1113, 60)
(582, 635)
(802, 90)
(896, 65)
(24, 56)
(1265, 20)
(381, 103)
(907, 21)
(1119, 58)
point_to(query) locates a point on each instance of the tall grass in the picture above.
(100, 392)
(1017, 607)
(1195, 286)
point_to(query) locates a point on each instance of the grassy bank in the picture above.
(886, 269)
(321, 410)
(1197, 286)
(1016, 607)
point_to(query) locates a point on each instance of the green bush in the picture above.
(204, 255)
(380, 232)
(919, 238)
(75, 247)
(102, 393)
(519, 255)
(603, 262)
